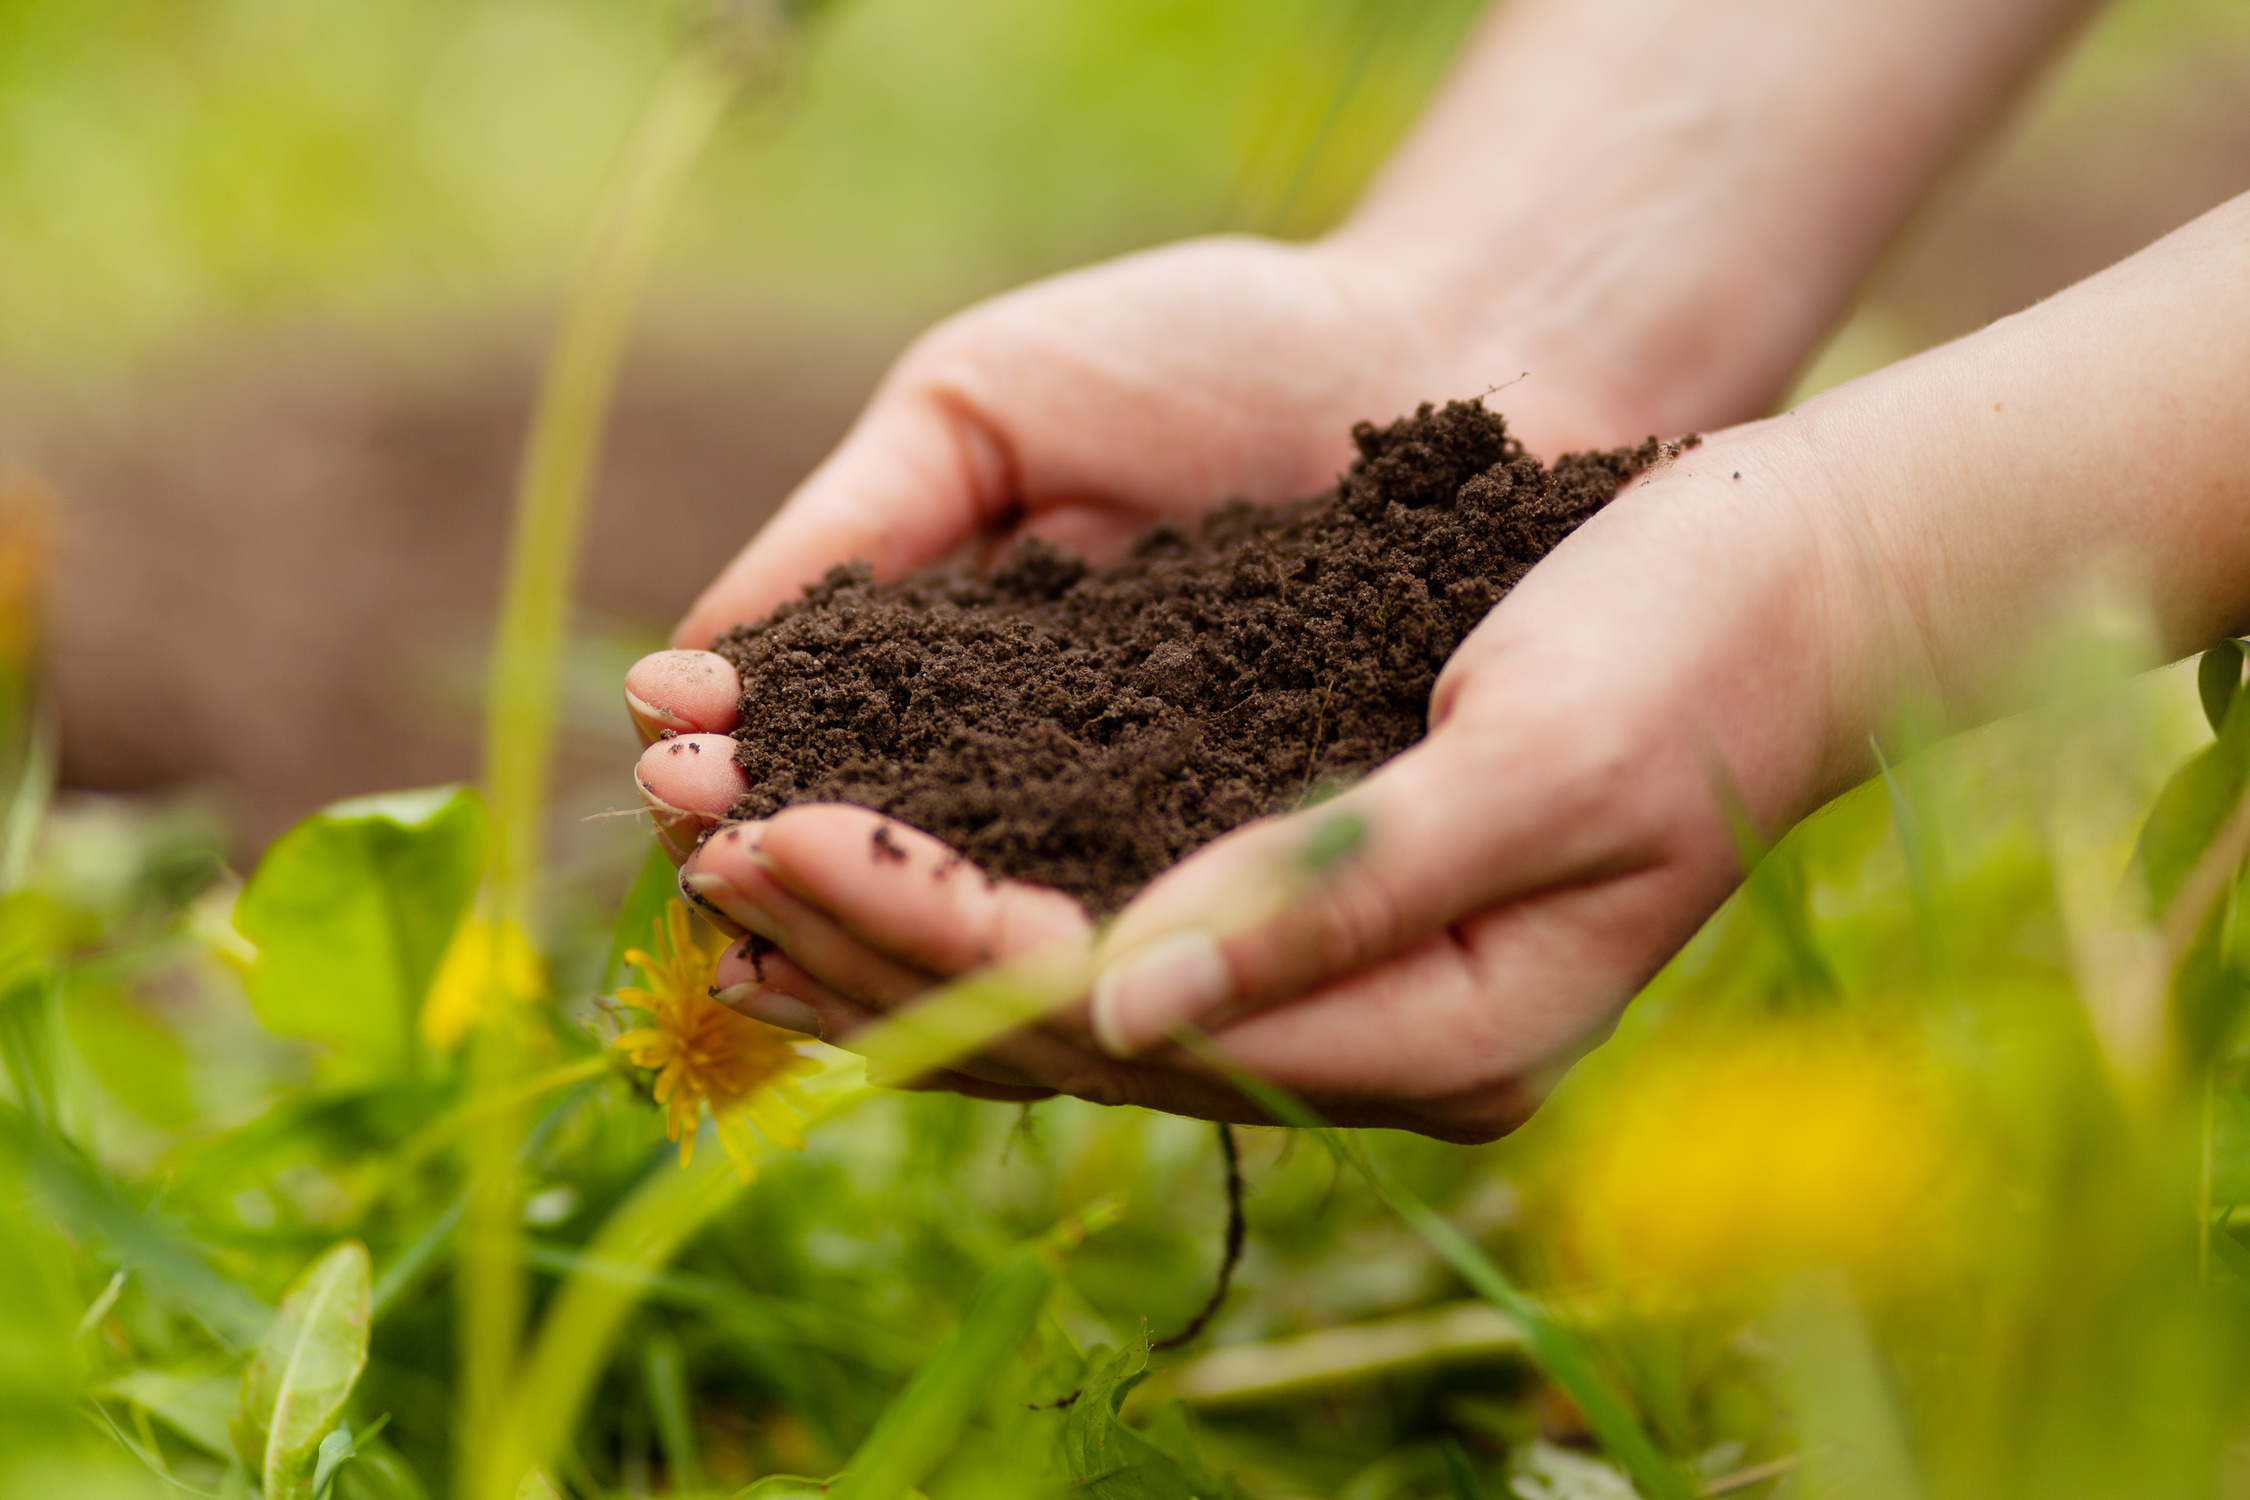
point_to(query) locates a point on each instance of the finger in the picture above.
(846, 979)
(875, 869)
(686, 692)
(1477, 815)
(922, 471)
(909, 894)
(757, 979)
(773, 988)
(946, 1081)
(730, 874)
(688, 783)
(1458, 1035)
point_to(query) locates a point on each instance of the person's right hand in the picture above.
(1081, 409)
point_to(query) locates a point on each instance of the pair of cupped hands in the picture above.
(1520, 873)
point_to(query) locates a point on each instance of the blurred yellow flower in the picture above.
(707, 1055)
(485, 961)
(1720, 1163)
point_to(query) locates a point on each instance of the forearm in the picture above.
(1669, 202)
(2090, 445)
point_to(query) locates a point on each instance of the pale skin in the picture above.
(1656, 208)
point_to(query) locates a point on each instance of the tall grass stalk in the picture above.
(521, 703)
(559, 458)
(621, 1263)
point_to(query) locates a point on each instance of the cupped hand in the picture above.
(1516, 876)
(1085, 407)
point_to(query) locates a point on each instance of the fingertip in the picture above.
(686, 692)
(691, 773)
(1138, 1000)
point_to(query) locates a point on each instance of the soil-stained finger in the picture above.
(1458, 1035)
(844, 981)
(908, 894)
(729, 873)
(772, 987)
(687, 692)
(688, 783)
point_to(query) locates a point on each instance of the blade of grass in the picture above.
(665, 1370)
(559, 457)
(642, 1235)
(920, 1427)
(27, 727)
(956, 1019)
(79, 1193)
(1766, 880)
(1919, 859)
(1552, 1347)
(865, 1339)
(638, 1239)
(413, 1259)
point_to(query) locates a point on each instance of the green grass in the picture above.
(2065, 1319)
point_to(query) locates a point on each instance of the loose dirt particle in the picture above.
(1088, 727)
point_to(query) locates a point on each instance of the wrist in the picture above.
(1619, 298)
(1787, 640)
(1447, 329)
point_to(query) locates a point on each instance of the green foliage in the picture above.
(300, 1375)
(654, 888)
(198, 1406)
(917, 1430)
(1105, 1458)
(2196, 801)
(351, 912)
(166, 170)
(41, 1369)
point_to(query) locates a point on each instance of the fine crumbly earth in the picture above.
(1088, 727)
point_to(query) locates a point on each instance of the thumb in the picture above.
(1440, 833)
(919, 473)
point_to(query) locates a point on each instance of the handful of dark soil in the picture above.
(1088, 727)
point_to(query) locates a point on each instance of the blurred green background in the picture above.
(174, 172)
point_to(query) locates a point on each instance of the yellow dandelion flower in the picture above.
(707, 1056)
(1727, 1161)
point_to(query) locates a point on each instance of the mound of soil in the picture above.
(1087, 727)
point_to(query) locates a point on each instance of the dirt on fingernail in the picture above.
(1087, 727)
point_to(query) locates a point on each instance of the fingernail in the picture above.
(711, 890)
(761, 1004)
(657, 804)
(1137, 1002)
(649, 713)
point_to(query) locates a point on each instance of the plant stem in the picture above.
(520, 706)
(559, 458)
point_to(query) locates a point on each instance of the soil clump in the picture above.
(1088, 727)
